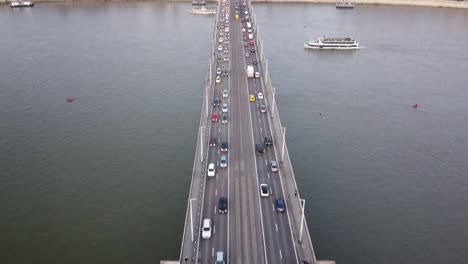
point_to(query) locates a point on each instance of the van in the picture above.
(219, 257)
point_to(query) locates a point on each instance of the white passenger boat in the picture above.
(344, 5)
(21, 4)
(203, 11)
(332, 43)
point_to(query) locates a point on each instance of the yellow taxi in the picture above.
(252, 98)
(218, 79)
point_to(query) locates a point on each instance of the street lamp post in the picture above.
(274, 102)
(302, 201)
(201, 143)
(284, 142)
(191, 217)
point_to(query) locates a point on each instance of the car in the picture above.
(257, 75)
(225, 72)
(246, 44)
(211, 170)
(225, 108)
(264, 190)
(218, 79)
(226, 50)
(221, 40)
(218, 71)
(220, 47)
(249, 30)
(219, 257)
(260, 95)
(280, 205)
(259, 149)
(213, 142)
(214, 117)
(254, 62)
(243, 29)
(252, 50)
(206, 229)
(224, 118)
(268, 141)
(221, 33)
(252, 98)
(247, 18)
(226, 29)
(262, 108)
(225, 94)
(226, 59)
(246, 12)
(216, 101)
(223, 162)
(274, 166)
(247, 55)
(219, 59)
(252, 42)
(224, 146)
(223, 205)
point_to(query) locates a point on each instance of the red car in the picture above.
(245, 38)
(214, 117)
(246, 44)
(251, 42)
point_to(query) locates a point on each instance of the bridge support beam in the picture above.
(302, 201)
(191, 218)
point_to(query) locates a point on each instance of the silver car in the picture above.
(225, 94)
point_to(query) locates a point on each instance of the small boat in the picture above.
(21, 4)
(332, 43)
(344, 5)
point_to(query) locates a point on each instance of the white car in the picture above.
(221, 40)
(264, 190)
(225, 108)
(243, 29)
(257, 75)
(259, 95)
(206, 229)
(221, 33)
(218, 71)
(225, 94)
(249, 30)
(211, 170)
(220, 47)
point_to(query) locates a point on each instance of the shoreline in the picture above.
(421, 3)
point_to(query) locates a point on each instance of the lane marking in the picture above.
(281, 255)
(276, 227)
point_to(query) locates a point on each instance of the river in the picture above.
(105, 179)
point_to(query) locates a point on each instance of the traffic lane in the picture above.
(247, 217)
(284, 221)
(271, 238)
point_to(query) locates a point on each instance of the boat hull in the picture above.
(307, 46)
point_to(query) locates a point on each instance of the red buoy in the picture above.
(415, 106)
(69, 99)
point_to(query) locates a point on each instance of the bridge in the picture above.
(239, 111)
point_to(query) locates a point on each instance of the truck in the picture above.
(250, 71)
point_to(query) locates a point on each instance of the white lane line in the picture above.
(215, 209)
(214, 229)
(212, 252)
(261, 129)
(273, 208)
(266, 162)
(216, 192)
(276, 227)
(281, 255)
(268, 175)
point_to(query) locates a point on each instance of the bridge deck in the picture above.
(251, 231)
